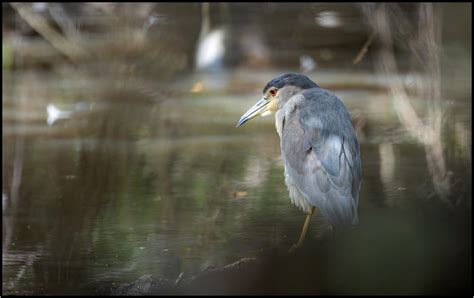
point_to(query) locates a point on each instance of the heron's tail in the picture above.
(340, 210)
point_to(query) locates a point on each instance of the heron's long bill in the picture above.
(258, 109)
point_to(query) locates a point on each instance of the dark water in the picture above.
(125, 162)
(122, 188)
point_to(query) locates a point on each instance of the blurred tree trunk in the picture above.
(420, 34)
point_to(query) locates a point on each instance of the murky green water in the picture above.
(133, 184)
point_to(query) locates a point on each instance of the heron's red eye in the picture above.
(273, 92)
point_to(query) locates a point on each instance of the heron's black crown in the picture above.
(291, 79)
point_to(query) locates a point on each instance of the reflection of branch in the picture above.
(17, 172)
(40, 25)
(14, 191)
(28, 260)
(387, 166)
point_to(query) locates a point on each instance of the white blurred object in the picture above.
(55, 114)
(153, 20)
(39, 6)
(211, 49)
(307, 63)
(150, 21)
(4, 201)
(328, 19)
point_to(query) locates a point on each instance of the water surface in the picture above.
(132, 184)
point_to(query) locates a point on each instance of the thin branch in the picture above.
(40, 25)
(364, 48)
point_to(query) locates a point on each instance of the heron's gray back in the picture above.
(321, 153)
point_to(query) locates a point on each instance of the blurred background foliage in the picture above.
(120, 156)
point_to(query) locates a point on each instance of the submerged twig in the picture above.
(179, 278)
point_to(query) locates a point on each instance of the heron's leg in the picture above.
(303, 232)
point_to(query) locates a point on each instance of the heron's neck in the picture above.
(286, 93)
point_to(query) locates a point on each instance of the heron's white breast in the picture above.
(296, 197)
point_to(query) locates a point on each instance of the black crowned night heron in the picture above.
(319, 148)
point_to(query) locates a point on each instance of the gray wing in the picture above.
(321, 154)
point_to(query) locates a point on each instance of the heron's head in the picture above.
(276, 93)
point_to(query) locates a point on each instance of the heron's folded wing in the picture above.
(324, 165)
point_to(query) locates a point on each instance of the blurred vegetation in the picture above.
(144, 172)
